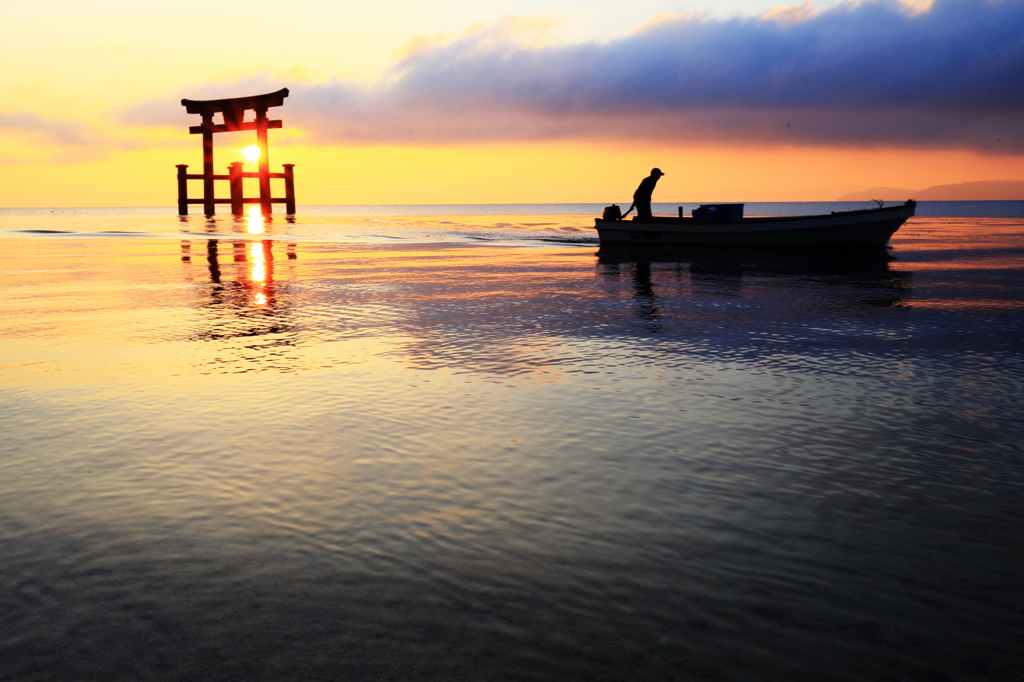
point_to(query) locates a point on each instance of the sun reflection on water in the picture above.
(255, 223)
(259, 263)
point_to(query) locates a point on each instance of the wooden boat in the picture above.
(868, 227)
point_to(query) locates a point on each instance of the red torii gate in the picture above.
(233, 111)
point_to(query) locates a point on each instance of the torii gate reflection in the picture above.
(233, 111)
(247, 297)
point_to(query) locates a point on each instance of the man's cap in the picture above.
(656, 171)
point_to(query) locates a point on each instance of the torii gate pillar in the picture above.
(233, 111)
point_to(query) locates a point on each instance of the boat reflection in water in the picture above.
(857, 277)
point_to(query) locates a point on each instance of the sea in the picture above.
(465, 442)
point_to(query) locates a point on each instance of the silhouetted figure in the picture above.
(642, 195)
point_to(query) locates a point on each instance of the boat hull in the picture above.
(871, 227)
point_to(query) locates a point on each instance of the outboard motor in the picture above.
(612, 212)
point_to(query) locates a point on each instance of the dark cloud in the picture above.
(865, 73)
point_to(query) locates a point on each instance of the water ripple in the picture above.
(300, 460)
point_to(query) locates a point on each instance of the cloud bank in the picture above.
(63, 132)
(868, 73)
(30, 138)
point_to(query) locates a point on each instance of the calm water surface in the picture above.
(448, 449)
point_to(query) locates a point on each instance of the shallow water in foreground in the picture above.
(249, 456)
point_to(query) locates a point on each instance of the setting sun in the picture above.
(251, 153)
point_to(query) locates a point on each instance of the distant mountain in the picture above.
(984, 190)
(883, 193)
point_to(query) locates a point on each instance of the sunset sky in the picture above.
(463, 101)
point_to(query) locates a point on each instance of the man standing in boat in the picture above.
(642, 195)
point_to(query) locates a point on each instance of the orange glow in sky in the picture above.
(506, 173)
(92, 113)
